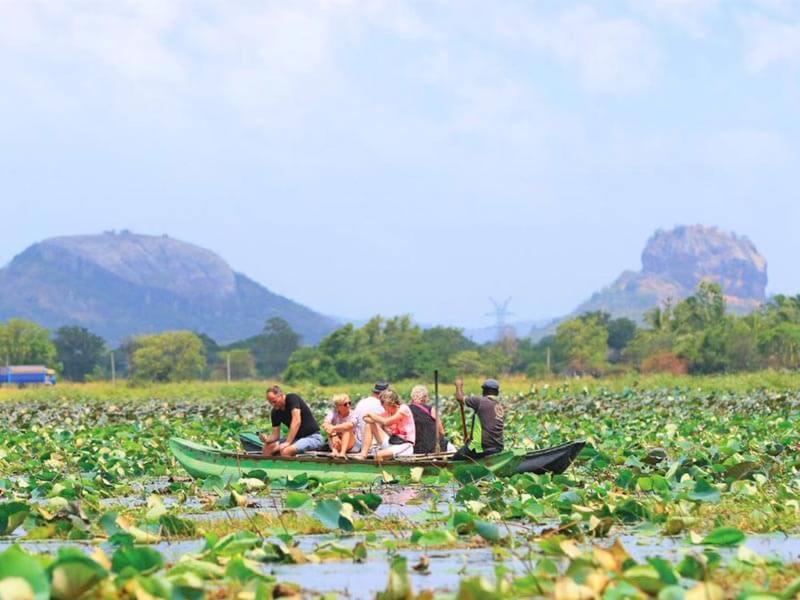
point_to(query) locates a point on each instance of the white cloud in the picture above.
(739, 149)
(611, 54)
(689, 15)
(128, 38)
(770, 42)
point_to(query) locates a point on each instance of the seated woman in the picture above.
(426, 424)
(392, 430)
(343, 426)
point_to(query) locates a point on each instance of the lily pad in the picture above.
(333, 515)
(724, 536)
(74, 575)
(12, 515)
(21, 572)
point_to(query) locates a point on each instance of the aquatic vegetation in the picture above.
(701, 473)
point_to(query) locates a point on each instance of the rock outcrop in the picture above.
(674, 263)
(124, 284)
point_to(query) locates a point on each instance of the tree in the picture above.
(781, 345)
(25, 343)
(700, 311)
(271, 348)
(79, 351)
(210, 347)
(620, 332)
(169, 356)
(243, 365)
(309, 364)
(584, 342)
(742, 344)
(437, 346)
(468, 362)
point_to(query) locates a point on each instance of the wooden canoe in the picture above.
(203, 461)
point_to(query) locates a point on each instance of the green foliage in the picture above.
(393, 348)
(12, 514)
(170, 356)
(584, 343)
(620, 333)
(80, 351)
(26, 343)
(271, 348)
(242, 364)
(22, 576)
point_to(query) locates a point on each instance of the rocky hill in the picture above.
(124, 284)
(673, 264)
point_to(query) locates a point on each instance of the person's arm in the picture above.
(294, 427)
(346, 426)
(327, 426)
(273, 437)
(389, 420)
(460, 391)
(474, 402)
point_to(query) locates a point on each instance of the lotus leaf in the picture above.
(21, 573)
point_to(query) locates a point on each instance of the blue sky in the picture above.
(390, 157)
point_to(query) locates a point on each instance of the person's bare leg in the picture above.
(347, 442)
(371, 433)
(367, 441)
(380, 434)
(270, 449)
(382, 437)
(336, 444)
(289, 450)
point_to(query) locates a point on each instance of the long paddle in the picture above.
(438, 446)
(460, 393)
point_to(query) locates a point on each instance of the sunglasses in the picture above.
(344, 404)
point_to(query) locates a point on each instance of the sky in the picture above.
(391, 157)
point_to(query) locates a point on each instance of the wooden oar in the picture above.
(460, 394)
(438, 445)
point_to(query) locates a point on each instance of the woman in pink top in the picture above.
(393, 429)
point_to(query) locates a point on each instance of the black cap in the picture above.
(492, 385)
(380, 386)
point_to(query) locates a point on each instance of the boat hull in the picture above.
(203, 461)
(554, 460)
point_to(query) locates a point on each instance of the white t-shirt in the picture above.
(367, 405)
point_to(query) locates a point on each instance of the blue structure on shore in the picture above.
(27, 375)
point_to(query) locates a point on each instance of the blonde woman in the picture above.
(343, 426)
(392, 430)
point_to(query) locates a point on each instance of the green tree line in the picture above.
(696, 335)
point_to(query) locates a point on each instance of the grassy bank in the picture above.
(253, 389)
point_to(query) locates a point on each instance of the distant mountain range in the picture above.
(122, 284)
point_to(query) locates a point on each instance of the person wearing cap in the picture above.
(368, 405)
(372, 404)
(491, 415)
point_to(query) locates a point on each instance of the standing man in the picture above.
(491, 415)
(290, 410)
